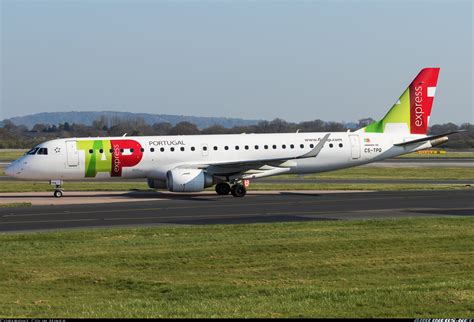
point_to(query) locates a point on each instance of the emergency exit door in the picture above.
(355, 146)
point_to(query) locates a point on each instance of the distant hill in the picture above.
(87, 118)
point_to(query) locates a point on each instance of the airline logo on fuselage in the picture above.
(109, 156)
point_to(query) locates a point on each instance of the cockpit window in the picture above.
(32, 151)
(43, 151)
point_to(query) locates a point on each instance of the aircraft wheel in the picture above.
(58, 193)
(222, 188)
(238, 190)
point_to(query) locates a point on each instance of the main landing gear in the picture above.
(58, 190)
(237, 190)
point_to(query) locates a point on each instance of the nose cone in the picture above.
(12, 169)
(9, 170)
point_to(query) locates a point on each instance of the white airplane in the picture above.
(191, 163)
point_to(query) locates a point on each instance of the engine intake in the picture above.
(188, 180)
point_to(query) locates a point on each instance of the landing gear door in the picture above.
(72, 154)
(355, 146)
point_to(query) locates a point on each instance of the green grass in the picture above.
(33, 186)
(25, 186)
(374, 268)
(449, 154)
(425, 173)
(11, 154)
(15, 205)
(356, 186)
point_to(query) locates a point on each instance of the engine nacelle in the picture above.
(188, 180)
(157, 184)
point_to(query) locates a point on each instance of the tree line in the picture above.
(19, 136)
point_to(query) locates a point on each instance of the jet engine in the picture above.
(188, 180)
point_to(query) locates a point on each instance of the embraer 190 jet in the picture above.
(191, 163)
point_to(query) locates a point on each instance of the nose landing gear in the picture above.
(58, 190)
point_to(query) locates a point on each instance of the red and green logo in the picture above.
(109, 156)
(412, 110)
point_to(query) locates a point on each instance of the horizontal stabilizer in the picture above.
(428, 138)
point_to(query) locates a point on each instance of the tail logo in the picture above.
(418, 106)
(411, 113)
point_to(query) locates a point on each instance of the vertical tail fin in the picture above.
(411, 113)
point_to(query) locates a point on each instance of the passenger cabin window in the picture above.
(265, 147)
(131, 151)
(162, 149)
(226, 147)
(215, 148)
(142, 150)
(311, 146)
(204, 148)
(32, 151)
(292, 146)
(43, 151)
(302, 146)
(283, 146)
(236, 147)
(91, 151)
(152, 149)
(246, 147)
(331, 145)
(182, 148)
(256, 147)
(101, 151)
(274, 147)
(340, 145)
(172, 149)
(193, 148)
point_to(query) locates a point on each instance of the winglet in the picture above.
(314, 152)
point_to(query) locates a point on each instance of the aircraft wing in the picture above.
(257, 168)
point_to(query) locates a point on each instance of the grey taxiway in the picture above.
(155, 208)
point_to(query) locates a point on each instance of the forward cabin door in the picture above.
(72, 154)
(355, 146)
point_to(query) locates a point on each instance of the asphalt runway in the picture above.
(208, 208)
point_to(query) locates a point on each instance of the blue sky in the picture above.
(296, 60)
